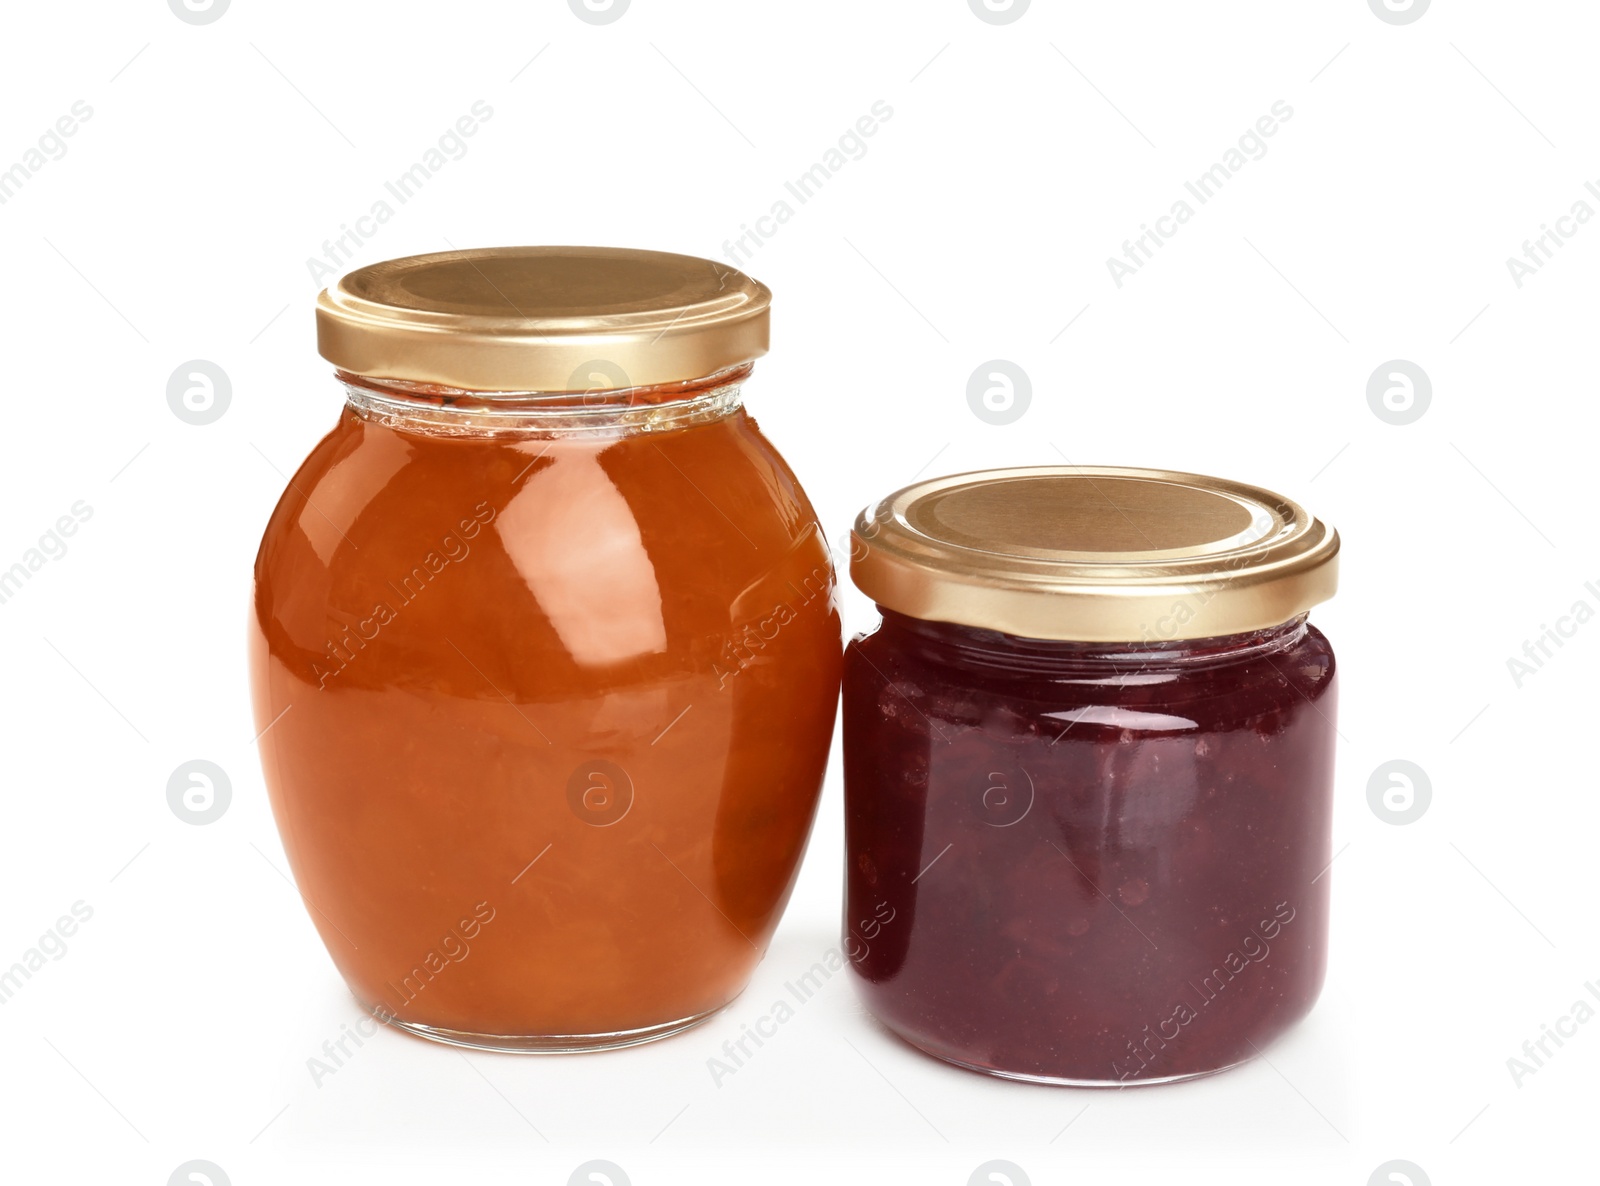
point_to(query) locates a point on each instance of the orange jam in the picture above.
(545, 713)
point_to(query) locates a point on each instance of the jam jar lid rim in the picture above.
(371, 323)
(1138, 595)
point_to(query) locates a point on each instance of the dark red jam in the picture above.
(1103, 863)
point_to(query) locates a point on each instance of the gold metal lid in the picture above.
(543, 319)
(1094, 554)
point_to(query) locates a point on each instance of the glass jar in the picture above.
(545, 648)
(1088, 762)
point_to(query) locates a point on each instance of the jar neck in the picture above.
(970, 646)
(445, 411)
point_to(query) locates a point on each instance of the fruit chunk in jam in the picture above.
(1104, 862)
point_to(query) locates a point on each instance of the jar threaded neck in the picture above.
(442, 411)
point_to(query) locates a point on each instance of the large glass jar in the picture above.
(1088, 771)
(545, 648)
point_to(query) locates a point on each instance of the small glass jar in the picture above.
(1088, 763)
(545, 648)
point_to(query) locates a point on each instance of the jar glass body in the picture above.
(547, 686)
(1088, 863)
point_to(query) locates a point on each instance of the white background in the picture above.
(218, 158)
